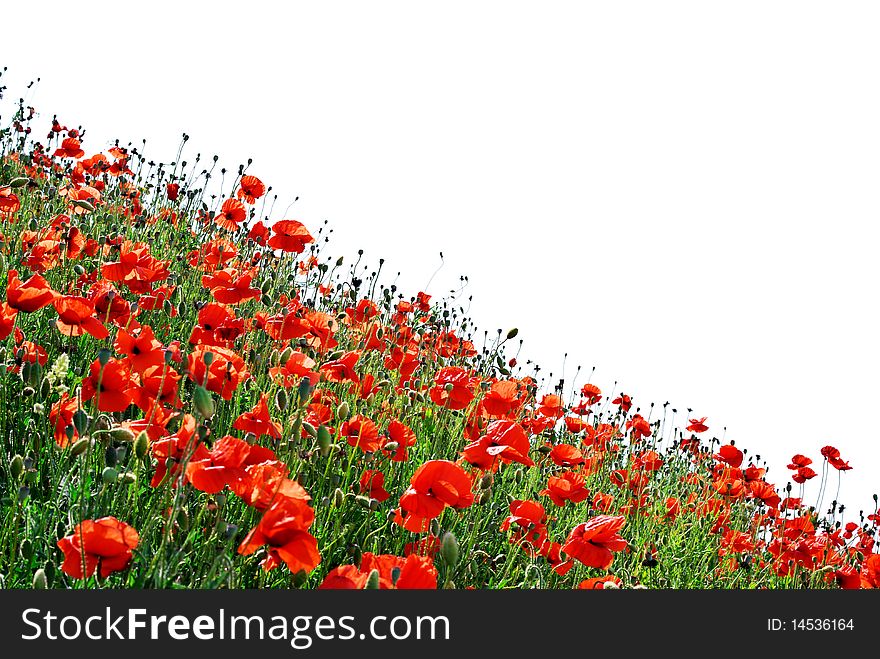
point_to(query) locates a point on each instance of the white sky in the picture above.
(682, 194)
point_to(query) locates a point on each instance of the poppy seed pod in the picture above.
(109, 475)
(449, 549)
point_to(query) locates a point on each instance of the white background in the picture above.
(682, 194)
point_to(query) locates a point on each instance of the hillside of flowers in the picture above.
(195, 395)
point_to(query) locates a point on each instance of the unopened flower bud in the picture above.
(343, 411)
(449, 549)
(40, 581)
(203, 402)
(372, 580)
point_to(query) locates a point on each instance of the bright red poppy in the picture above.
(593, 542)
(104, 545)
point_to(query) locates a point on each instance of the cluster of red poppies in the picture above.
(347, 375)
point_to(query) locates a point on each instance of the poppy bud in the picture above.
(27, 392)
(103, 422)
(285, 356)
(109, 475)
(168, 308)
(16, 466)
(449, 585)
(45, 388)
(435, 528)
(26, 548)
(363, 501)
(324, 440)
(449, 549)
(79, 447)
(484, 497)
(183, 519)
(371, 399)
(40, 581)
(343, 411)
(281, 400)
(610, 585)
(391, 447)
(82, 203)
(544, 449)
(19, 182)
(512, 333)
(120, 434)
(486, 481)
(304, 391)
(310, 429)
(372, 580)
(141, 445)
(339, 262)
(203, 401)
(338, 498)
(127, 478)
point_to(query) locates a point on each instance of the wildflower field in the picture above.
(195, 395)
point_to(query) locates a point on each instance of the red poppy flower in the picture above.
(70, 148)
(111, 384)
(600, 583)
(30, 296)
(505, 441)
(104, 545)
(568, 486)
(61, 419)
(225, 464)
(290, 236)
(435, 485)
(250, 189)
(140, 347)
(7, 320)
(258, 420)
(593, 542)
(361, 432)
(265, 482)
(227, 287)
(283, 529)
(730, 455)
(566, 455)
(412, 572)
(697, 425)
(402, 435)
(76, 315)
(226, 372)
(591, 393)
(452, 388)
(9, 202)
(551, 406)
(372, 484)
(232, 214)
